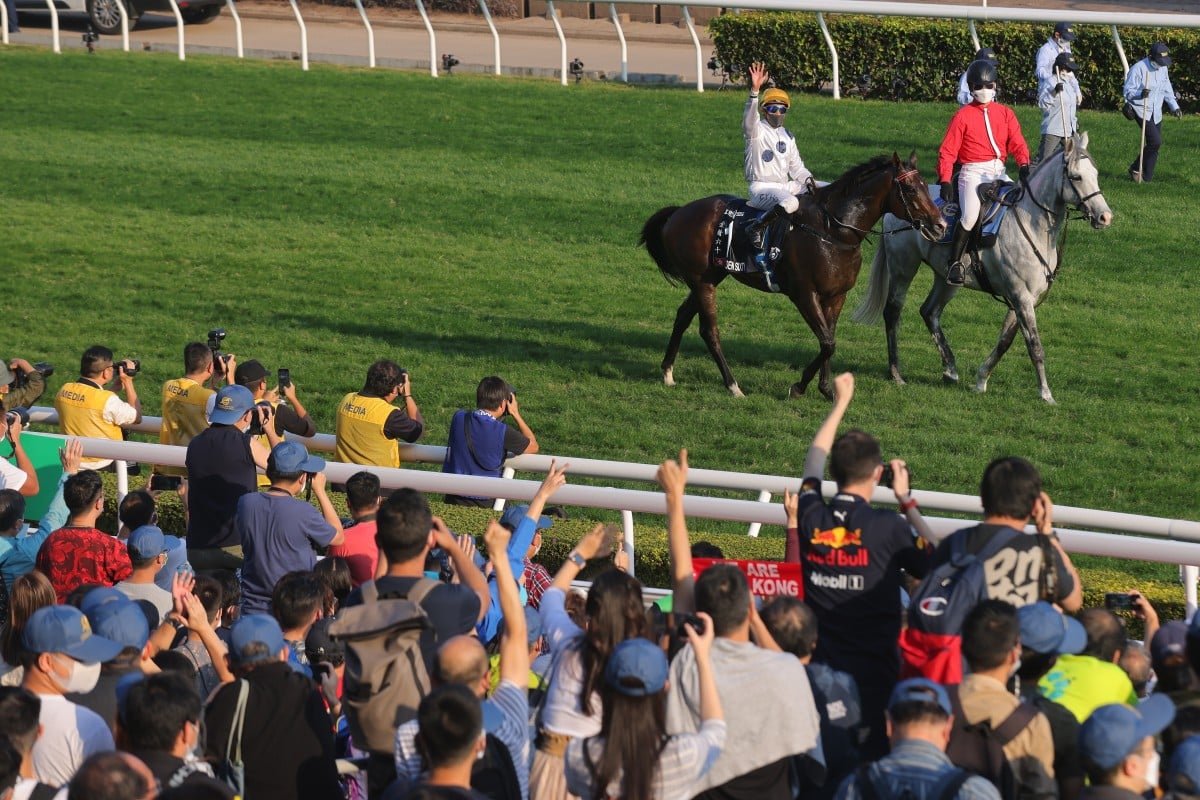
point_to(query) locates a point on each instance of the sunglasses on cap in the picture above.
(775, 108)
(978, 86)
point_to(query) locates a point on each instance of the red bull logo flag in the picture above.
(767, 578)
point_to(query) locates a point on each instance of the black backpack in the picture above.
(495, 775)
(946, 789)
(979, 748)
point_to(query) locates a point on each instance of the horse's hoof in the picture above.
(1049, 398)
(980, 387)
(735, 391)
(949, 377)
(896, 378)
(796, 391)
(669, 377)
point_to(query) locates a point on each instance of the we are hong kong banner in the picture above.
(767, 578)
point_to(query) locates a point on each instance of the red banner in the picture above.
(766, 578)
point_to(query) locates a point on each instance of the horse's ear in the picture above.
(1069, 146)
(896, 159)
(1083, 139)
(912, 159)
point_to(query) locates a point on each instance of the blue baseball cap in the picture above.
(292, 458)
(1045, 630)
(123, 622)
(1065, 30)
(1158, 54)
(1183, 771)
(533, 625)
(64, 629)
(99, 596)
(260, 629)
(638, 660)
(513, 515)
(920, 690)
(149, 542)
(1113, 731)
(231, 404)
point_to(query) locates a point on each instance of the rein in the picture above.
(1079, 206)
(866, 233)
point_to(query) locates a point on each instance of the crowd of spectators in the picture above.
(279, 651)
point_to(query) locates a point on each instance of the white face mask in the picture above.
(83, 678)
(1152, 767)
(984, 96)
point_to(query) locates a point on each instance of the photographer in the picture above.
(222, 464)
(479, 442)
(287, 417)
(22, 477)
(22, 383)
(87, 409)
(278, 530)
(369, 427)
(184, 406)
(853, 556)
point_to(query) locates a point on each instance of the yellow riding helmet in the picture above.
(775, 96)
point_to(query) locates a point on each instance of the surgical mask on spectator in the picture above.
(984, 95)
(83, 678)
(1152, 767)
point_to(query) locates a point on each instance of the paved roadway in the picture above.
(656, 53)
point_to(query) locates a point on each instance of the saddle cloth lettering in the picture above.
(731, 248)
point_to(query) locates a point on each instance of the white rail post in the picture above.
(612, 10)
(562, 39)
(4, 22)
(178, 27)
(54, 26)
(1120, 49)
(507, 475)
(1189, 575)
(432, 39)
(124, 25)
(974, 34)
(303, 35)
(487, 15)
(362, 12)
(687, 17)
(837, 84)
(237, 28)
(122, 480)
(627, 530)
(763, 497)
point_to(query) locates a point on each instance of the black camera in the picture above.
(688, 619)
(19, 413)
(130, 371)
(449, 62)
(888, 476)
(577, 70)
(21, 378)
(260, 418)
(89, 38)
(215, 337)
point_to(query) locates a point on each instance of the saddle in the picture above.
(731, 247)
(995, 199)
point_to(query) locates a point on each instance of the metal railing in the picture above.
(1142, 538)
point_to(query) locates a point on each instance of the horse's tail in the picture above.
(653, 240)
(871, 307)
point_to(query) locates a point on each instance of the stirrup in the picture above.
(956, 274)
(758, 235)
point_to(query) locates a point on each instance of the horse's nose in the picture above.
(940, 228)
(1105, 219)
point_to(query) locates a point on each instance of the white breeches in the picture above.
(969, 178)
(766, 196)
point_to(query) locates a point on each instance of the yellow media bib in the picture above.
(360, 438)
(80, 408)
(183, 417)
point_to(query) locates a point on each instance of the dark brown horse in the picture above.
(818, 266)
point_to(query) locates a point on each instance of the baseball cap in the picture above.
(1169, 640)
(514, 514)
(291, 458)
(637, 660)
(1158, 54)
(1183, 770)
(122, 622)
(920, 690)
(99, 596)
(1045, 630)
(149, 541)
(1064, 30)
(320, 646)
(64, 629)
(231, 404)
(1063, 61)
(255, 629)
(533, 625)
(1113, 731)
(986, 54)
(250, 372)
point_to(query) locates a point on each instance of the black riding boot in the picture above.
(956, 274)
(758, 230)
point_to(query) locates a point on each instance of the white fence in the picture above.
(971, 13)
(1175, 541)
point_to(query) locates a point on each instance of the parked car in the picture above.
(106, 17)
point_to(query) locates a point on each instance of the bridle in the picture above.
(898, 182)
(1071, 179)
(921, 227)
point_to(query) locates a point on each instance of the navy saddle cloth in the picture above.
(731, 247)
(995, 200)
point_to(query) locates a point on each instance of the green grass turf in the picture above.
(474, 225)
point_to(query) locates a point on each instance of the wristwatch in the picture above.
(577, 559)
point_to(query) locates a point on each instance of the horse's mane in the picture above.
(855, 176)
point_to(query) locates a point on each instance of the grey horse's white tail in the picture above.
(871, 308)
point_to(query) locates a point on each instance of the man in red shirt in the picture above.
(359, 549)
(981, 135)
(78, 553)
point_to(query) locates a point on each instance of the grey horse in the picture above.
(1019, 268)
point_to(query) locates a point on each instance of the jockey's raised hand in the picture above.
(758, 75)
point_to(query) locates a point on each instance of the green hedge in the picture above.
(653, 567)
(922, 59)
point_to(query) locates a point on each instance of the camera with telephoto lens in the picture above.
(20, 413)
(130, 371)
(888, 476)
(215, 337)
(682, 620)
(260, 418)
(21, 378)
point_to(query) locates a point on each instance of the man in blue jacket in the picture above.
(1147, 87)
(480, 442)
